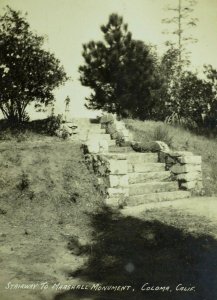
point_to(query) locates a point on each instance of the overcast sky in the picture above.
(70, 23)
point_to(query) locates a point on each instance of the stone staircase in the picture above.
(148, 181)
(88, 129)
(145, 178)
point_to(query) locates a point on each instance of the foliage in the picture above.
(210, 118)
(188, 98)
(176, 59)
(24, 182)
(163, 134)
(28, 73)
(181, 21)
(122, 72)
(52, 124)
(183, 140)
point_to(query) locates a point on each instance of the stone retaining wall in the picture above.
(185, 167)
(115, 128)
(112, 177)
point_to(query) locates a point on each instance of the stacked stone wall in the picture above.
(186, 168)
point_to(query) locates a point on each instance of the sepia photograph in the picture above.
(108, 150)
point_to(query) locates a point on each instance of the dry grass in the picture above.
(180, 139)
(47, 194)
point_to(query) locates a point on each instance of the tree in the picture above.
(183, 21)
(121, 71)
(197, 105)
(176, 59)
(28, 73)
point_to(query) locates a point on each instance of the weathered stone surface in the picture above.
(192, 159)
(149, 176)
(125, 132)
(145, 167)
(152, 187)
(116, 192)
(196, 185)
(119, 125)
(112, 202)
(157, 197)
(111, 129)
(103, 146)
(118, 166)
(116, 202)
(107, 119)
(189, 176)
(118, 180)
(162, 156)
(117, 156)
(179, 153)
(92, 146)
(155, 146)
(189, 185)
(161, 146)
(178, 169)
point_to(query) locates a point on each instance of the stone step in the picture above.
(133, 157)
(157, 197)
(152, 187)
(84, 122)
(99, 136)
(150, 176)
(96, 130)
(142, 157)
(85, 132)
(145, 167)
(116, 149)
(111, 143)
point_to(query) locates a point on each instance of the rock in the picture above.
(179, 153)
(107, 119)
(155, 146)
(118, 166)
(103, 146)
(116, 192)
(189, 176)
(192, 159)
(118, 180)
(160, 146)
(178, 169)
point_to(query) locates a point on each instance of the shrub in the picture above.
(24, 182)
(52, 124)
(162, 133)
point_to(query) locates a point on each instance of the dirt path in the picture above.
(198, 206)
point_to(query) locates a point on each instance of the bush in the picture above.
(24, 182)
(53, 123)
(163, 134)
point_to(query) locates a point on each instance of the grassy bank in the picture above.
(47, 195)
(180, 139)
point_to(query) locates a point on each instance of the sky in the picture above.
(70, 23)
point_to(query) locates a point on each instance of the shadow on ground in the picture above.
(132, 252)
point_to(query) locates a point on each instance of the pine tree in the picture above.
(181, 23)
(176, 59)
(121, 72)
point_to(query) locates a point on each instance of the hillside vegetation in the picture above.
(181, 139)
(47, 195)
